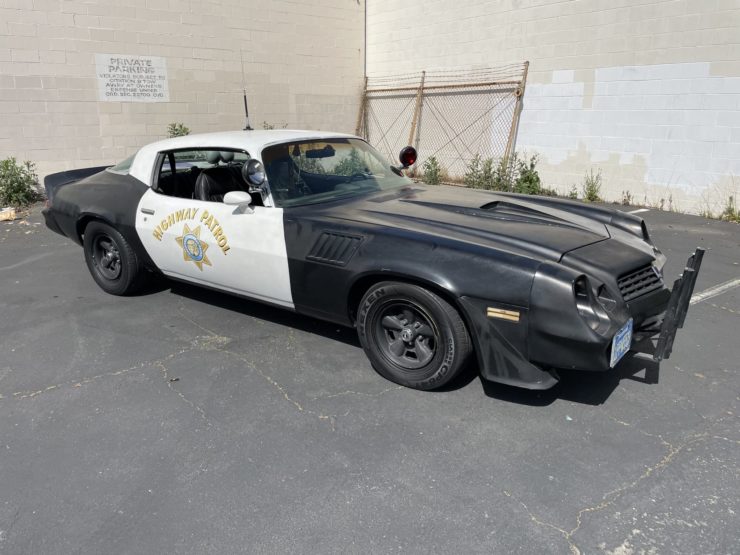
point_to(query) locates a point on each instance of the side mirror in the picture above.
(236, 198)
(253, 172)
(407, 157)
(240, 199)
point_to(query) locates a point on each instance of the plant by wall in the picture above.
(267, 125)
(18, 182)
(527, 179)
(514, 174)
(472, 177)
(177, 129)
(432, 171)
(731, 213)
(502, 178)
(591, 187)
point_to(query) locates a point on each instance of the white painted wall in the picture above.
(676, 127)
(647, 91)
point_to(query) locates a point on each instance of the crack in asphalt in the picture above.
(737, 441)
(614, 495)
(29, 394)
(165, 374)
(659, 437)
(181, 310)
(205, 343)
(533, 517)
(197, 343)
(210, 342)
(360, 393)
(5, 534)
(331, 418)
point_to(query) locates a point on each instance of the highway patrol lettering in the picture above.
(218, 233)
(206, 219)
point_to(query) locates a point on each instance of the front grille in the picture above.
(639, 282)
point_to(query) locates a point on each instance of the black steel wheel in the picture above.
(106, 257)
(412, 336)
(406, 334)
(111, 260)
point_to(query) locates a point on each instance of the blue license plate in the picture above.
(621, 343)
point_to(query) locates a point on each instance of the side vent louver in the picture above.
(334, 248)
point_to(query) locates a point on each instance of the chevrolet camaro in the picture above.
(432, 277)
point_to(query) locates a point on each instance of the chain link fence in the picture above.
(452, 116)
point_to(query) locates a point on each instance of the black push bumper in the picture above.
(502, 346)
(678, 306)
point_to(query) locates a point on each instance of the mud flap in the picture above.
(678, 306)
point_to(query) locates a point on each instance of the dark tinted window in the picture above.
(307, 172)
(221, 165)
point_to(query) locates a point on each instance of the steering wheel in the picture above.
(301, 186)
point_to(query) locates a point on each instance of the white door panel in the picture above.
(213, 244)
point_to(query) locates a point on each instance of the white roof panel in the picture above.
(251, 141)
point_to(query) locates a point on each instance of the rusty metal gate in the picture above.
(450, 115)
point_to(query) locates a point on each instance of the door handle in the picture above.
(147, 211)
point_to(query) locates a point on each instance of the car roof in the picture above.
(251, 141)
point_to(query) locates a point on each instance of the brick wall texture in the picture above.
(646, 91)
(303, 63)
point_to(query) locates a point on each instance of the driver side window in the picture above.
(202, 174)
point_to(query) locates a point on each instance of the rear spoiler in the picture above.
(53, 181)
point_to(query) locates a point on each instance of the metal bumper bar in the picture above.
(678, 306)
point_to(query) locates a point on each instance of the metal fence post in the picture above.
(417, 116)
(511, 143)
(466, 114)
(361, 112)
(417, 107)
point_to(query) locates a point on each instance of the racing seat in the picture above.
(213, 183)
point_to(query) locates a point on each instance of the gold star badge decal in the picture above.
(192, 247)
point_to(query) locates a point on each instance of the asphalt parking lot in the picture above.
(186, 421)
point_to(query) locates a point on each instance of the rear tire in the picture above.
(112, 262)
(412, 336)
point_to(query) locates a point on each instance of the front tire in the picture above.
(112, 262)
(412, 336)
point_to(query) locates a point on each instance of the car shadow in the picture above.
(266, 312)
(591, 388)
(588, 388)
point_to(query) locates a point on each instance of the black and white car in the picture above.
(319, 223)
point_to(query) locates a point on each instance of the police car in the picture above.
(432, 277)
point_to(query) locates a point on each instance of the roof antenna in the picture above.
(247, 127)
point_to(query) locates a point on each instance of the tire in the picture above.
(112, 262)
(412, 336)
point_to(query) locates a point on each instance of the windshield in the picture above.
(307, 172)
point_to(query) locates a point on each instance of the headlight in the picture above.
(253, 172)
(589, 307)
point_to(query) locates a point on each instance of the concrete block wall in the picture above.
(647, 91)
(303, 64)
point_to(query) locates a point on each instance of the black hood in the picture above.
(479, 218)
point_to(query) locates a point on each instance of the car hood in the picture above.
(479, 218)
